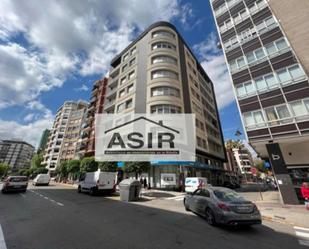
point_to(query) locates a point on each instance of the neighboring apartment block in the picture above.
(266, 47)
(157, 73)
(96, 105)
(43, 141)
(16, 153)
(65, 133)
(244, 161)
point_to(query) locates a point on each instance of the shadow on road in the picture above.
(98, 222)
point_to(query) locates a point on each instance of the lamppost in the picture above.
(238, 134)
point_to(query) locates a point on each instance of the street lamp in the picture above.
(238, 134)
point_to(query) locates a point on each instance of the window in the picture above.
(164, 109)
(286, 75)
(123, 80)
(164, 91)
(276, 46)
(163, 33)
(254, 119)
(122, 93)
(124, 67)
(299, 108)
(164, 74)
(240, 62)
(125, 57)
(131, 75)
(226, 25)
(245, 89)
(133, 51)
(120, 107)
(255, 55)
(265, 24)
(129, 103)
(266, 82)
(164, 59)
(276, 113)
(241, 16)
(167, 45)
(130, 88)
(132, 62)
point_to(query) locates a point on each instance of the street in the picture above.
(57, 217)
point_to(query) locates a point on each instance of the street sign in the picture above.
(266, 165)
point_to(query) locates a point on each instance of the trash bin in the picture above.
(129, 190)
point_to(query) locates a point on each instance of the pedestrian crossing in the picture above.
(302, 234)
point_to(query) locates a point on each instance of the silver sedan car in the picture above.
(222, 206)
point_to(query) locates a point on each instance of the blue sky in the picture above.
(56, 55)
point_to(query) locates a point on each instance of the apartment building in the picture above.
(158, 73)
(244, 162)
(64, 135)
(16, 153)
(43, 141)
(265, 44)
(87, 139)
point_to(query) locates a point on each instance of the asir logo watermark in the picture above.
(145, 137)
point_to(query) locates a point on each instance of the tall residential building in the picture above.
(87, 139)
(16, 153)
(244, 162)
(158, 73)
(265, 44)
(64, 135)
(43, 141)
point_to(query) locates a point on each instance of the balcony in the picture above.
(113, 83)
(114, 72)
(109, 103)
(111, 92)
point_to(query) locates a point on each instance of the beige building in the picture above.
(65, 133)
(158, 73)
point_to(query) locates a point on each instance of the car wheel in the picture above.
(210, 218)
(186, 206)
(79, 189)
(3, 191)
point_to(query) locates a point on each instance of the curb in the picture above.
(67, 184)
(282, 221)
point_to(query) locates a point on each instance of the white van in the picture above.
(41, 179)
(95, 182)
(194, 183)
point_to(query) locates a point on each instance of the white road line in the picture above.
(47, 198)
(22, 195)
(301, 228)
(302, 234)
(303, 242)
(60, 204)
(2, 241)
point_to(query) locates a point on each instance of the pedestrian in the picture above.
(145, 183)
(141, 181)
(305, 193)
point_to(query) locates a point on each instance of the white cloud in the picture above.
(82, 88)
(65, 38)
(214, 64)
(29, 117)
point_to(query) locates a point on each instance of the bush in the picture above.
(108, 166)
(88, 164)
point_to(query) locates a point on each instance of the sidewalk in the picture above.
(272, 209)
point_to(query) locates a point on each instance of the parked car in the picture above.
(15, 183)
(97, 182)
(41, 179)
(194, 183)
(222, 206)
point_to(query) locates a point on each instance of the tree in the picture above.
(137, 167)
(37, 160)
(40, 171)
(108, 166)
(88, 164)
(4, 168)
(62, 169)
(231, 144)
(259, 165)
(74, 168)
(24, 172)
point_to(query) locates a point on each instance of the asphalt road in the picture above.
(57, 217)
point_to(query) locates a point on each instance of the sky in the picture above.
(53, 51)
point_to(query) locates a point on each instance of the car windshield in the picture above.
(18, 179)
(228, 196)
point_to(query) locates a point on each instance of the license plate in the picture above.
(17, 186)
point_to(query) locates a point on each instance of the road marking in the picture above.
(2, 241)
(22, 195)
(176, 198)
(302, 234)
(47, 198)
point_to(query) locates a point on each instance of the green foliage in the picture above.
(88, 164)
(24, 172)
(108, 166)
(259, 165)
(137, 167)
(4, 168)
(73, 166)
(37, 160)
(40, 171)
(232, 144)
(62, 169)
